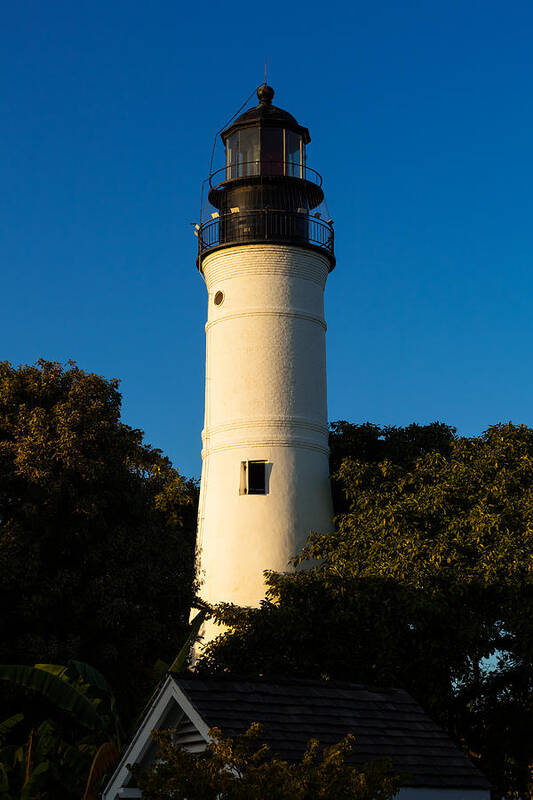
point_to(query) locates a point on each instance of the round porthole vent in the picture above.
(219, 298)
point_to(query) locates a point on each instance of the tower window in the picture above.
(253, 477)
(219, 298)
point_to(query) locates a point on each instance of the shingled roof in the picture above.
(385, 723)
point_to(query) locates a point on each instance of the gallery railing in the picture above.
(264, 166)
(265, 225)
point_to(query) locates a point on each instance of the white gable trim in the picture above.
(168, 694)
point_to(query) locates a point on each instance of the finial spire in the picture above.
(265, 94)
(266, 59)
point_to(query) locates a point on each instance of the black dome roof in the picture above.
(266, 114)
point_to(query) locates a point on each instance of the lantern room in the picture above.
(265, 141)
(265, 192)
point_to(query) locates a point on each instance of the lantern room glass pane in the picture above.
(242, 153)
(293, 154)
(248, 152)
(272, 151)
(231, 155)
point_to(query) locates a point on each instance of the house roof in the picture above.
(385, 723)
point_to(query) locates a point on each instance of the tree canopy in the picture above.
(425, 584)
(97, 529)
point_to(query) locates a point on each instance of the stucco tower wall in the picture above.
(265, 400)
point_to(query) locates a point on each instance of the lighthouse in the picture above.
(265, 251)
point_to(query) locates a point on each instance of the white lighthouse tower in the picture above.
(265, 254)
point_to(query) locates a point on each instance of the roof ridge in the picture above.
(292, 680)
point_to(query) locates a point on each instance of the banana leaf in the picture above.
(91, 676)
(29, 757)
(62, 694)
(31, 787)
(9, 723)
(160, 669)
(96, 680)
(194, 629)
(181, 659)
(104, 760)
(4, 780)
(54, 669)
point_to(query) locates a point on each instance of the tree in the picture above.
(244, 769)
(425, 584)
(371, 444)
(97, 529)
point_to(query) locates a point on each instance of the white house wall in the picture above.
(404, 794)
(409, 793)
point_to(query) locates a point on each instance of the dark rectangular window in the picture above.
(256, 477)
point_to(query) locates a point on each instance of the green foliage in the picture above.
(463, 516)
(90, 676)
(104, 760)
(403, 446)
(58, 758)
(8, 724)
(32, 787)
(244, 769)
(425, 584)
(97, 536)
(180, 662)
(57, 691)
(97, 529)
(371, 444)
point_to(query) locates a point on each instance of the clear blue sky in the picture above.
(421, 115)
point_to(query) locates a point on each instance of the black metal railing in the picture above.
(264, 225)
(264, 166)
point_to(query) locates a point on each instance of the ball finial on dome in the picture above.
(265, 94)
